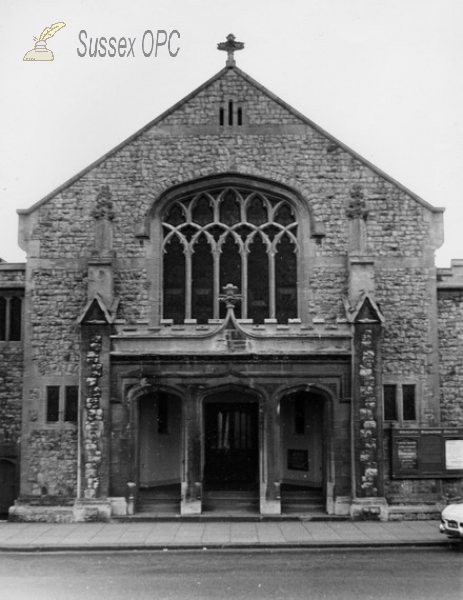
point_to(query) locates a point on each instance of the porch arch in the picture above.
(157, 418)
(306, 444)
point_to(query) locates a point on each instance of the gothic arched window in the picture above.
(230, 235)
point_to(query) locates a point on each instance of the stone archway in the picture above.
(231, 450)
(231, 440)
(159, 452)
(305, 451)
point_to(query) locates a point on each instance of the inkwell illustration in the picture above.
(41, 52)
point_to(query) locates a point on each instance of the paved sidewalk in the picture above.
(185, 535)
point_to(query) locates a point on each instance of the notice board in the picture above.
(427, 453)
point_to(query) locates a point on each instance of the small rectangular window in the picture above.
(10, 318)
(15, 319)
(163, 415)
(390, 403)
(408, 403)
(240, 116)
(52, 403)
(71, 402)
(3, 305)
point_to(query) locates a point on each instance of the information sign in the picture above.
(427, 452)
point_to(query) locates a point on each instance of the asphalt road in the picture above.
(394, 574)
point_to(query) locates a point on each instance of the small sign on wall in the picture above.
(427, 453)
(454, 455)
(298, 460)
(407, 454)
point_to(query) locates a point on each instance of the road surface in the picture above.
(395, 574)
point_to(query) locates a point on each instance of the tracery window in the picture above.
(230, 235)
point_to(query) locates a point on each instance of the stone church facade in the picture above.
(230, 302)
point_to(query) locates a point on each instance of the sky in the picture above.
(385, 77)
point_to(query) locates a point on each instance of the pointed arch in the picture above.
(233, 230)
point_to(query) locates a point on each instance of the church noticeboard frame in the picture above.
(427, 453)
(298, 460)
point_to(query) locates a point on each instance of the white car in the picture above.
(452, 521)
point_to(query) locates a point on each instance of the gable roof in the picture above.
(270, 95)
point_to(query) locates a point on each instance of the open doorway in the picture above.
(303, 453)
(231, 442)
(7, 486)
(159, 452)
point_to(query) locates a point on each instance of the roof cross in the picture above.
(230, 46)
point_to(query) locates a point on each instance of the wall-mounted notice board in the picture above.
(427, 452)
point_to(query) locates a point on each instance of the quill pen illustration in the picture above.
(41, 52)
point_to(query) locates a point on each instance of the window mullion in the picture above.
(188, 270)
(400, 404)
(216, 259)
(271, 262)
(244, 284)
(9, 309)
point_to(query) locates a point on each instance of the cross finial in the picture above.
(230, 46)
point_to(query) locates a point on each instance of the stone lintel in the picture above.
(100, 261)
(12, 285)
(361, 259)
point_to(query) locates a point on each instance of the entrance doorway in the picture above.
(231, 442)
(159, 453)
(7, 486)
(303, 443)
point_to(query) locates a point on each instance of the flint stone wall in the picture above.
(450, 304)
(11, 376)
(11, 372)
(58, 296)
(405, 304)
(174, 151)
(53, 462)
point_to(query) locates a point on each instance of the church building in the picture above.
(230, 308)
